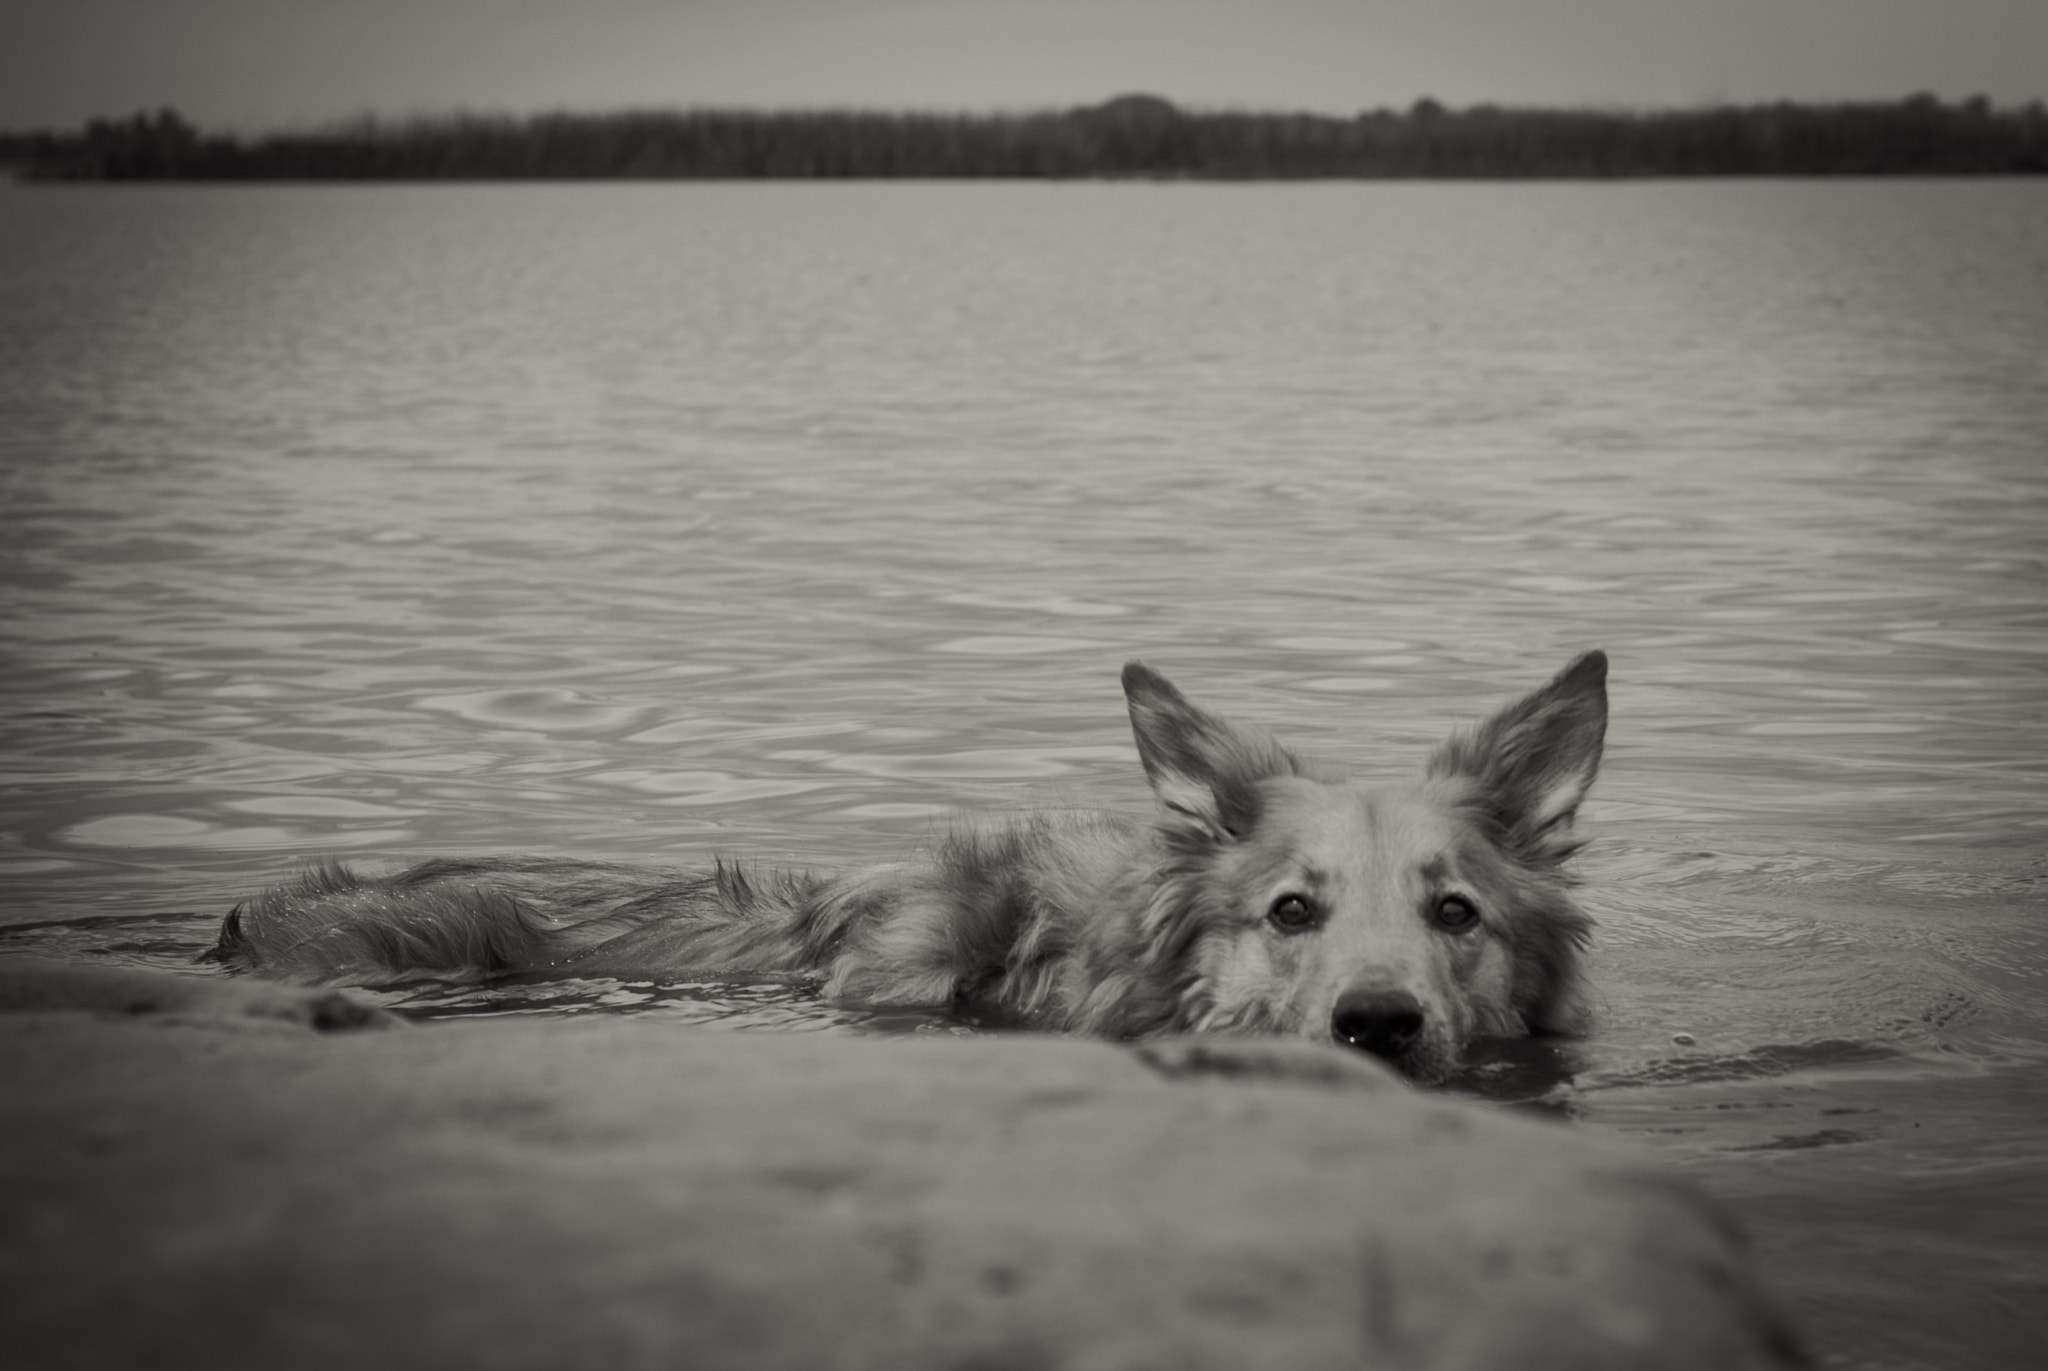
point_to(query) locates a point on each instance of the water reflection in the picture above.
(1537, 1073)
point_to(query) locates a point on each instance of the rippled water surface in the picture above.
(780, 520)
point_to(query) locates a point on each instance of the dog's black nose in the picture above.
(1383, 1022)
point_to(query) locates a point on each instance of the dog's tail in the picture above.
(473, 919)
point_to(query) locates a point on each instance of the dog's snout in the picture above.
(1385, 1023)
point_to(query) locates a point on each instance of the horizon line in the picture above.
(1162, 104)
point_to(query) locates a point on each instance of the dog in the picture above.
(1266, 895)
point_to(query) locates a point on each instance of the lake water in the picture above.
(779, 520)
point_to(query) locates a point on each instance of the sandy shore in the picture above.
(208, 1173)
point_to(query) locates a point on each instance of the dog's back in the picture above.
(993, 914)
(499, 917)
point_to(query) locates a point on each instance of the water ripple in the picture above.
(539, 709)
(1013, 645)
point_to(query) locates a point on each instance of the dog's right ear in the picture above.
(1204, 770)
(1535, 759)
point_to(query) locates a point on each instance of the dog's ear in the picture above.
(1204, 770)
(1536, 758)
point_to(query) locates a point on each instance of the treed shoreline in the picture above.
(1131, 136)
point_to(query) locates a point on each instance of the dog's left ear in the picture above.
(1536, 758)
(1203, 769)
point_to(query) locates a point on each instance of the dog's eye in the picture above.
(1294, 914)
(1455, 912)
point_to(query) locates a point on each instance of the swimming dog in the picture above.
(1266, 895)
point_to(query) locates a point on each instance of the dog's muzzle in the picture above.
(1385, 1023)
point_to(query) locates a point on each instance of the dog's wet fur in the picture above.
(1266, 894)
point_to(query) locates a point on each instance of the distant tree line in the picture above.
(1131, 136)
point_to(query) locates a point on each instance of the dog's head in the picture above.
(1404, 920)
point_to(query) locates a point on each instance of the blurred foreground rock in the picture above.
(189, 1177)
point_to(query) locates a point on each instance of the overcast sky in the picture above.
(257, 64)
